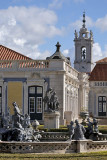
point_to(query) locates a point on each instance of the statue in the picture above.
(71, 129)
(89, 129)
(79, 131)
(92, 131)
(51, 101)
(27, 121)
(21, 129)
(76, 34)
(91, 34)
(17, 117)
(95, 123)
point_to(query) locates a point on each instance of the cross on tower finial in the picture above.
(84, 19)
(58, 47)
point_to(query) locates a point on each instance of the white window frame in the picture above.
(38, 89)
(37, 104)
(30, 89)
(29, 104)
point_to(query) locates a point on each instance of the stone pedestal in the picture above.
(51, 119)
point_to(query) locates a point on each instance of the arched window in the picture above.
(83, 53)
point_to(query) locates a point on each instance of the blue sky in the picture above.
(33, 27)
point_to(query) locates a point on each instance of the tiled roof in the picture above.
(99, 72)
(104, 60)
(9, 54)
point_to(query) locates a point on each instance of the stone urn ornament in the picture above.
(35, 124)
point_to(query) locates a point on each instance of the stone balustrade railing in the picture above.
(55, 136)
(53, 147)
(71, 71)
(33, 147)
(102, 137)
(23, 64)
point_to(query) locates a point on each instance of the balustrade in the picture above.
(23, 64)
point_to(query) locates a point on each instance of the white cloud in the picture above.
(70, 53)
(98, 53)
(19, 42)
(56, 4)
(66, 52)
(24, 28)
(101, 23)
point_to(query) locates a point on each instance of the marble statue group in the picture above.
(79, 132)
(18, 127)
(51, 101)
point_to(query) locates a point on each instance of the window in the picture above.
(39, 104)
(83, 53)
(102, 106)
(35, 102)
(32, 104)
(83, 35)
(32, 90)
(39, 90)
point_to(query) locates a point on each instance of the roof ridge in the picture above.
(104, 60)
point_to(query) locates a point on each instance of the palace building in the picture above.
(98, 90)
(25, 81)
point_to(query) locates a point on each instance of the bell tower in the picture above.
(83, 49)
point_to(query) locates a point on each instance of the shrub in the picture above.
(41, 127)
(62, 126)
(103, 131)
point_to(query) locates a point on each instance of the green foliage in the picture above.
(73, 156)
(103, 129)
(62, 126)
(41, 127)
(61, 129)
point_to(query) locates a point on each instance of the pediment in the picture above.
(35, 76)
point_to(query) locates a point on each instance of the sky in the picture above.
(33, 27)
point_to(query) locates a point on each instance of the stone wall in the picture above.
(53, 147)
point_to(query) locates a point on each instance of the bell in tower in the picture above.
(83, 49)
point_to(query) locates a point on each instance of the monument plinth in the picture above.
(51, 114)
(51, 119)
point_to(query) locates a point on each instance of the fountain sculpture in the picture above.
(18, 127)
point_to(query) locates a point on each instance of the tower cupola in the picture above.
(83, 49)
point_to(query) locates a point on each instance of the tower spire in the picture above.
(84, 19)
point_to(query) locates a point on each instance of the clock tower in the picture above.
(83, 49)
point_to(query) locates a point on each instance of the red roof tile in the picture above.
(104, 60)
(99, 72)
(9, 54)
